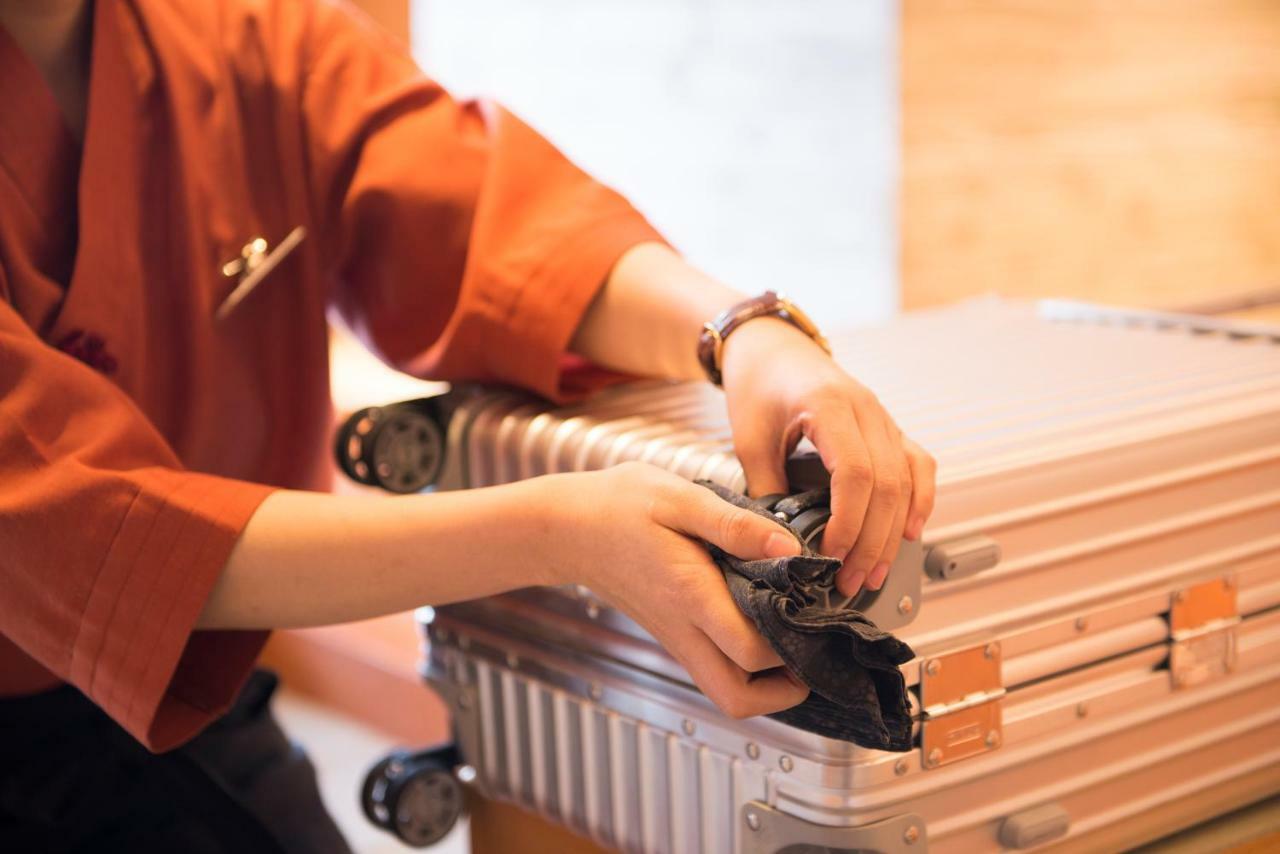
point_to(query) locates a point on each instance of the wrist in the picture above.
(765, 341)
(551, 525)
(716, 333)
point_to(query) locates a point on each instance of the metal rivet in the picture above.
(933, 667)
(911, 835)
(688, 726)
(785, 763)
(593, 610)
(901, 767)
(753, 750)
(780, 515)
(905, 604)
(993, 738)
(991, 650)
(753, 821)
(1082, 710)
(513, 661)
(934, 758)
(594, 691)
(1081, 624)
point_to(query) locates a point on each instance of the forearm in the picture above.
(310, 559)
(647, 318)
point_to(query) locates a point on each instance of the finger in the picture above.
(764, 468)
(739, 694)
(733, 632)
(834, 433)
(882, 509)
(923, 488)
(699, 512)
(889, 553)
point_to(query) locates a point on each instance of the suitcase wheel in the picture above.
(399, 448)
(414, 796)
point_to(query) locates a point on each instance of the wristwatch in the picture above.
(768, 304)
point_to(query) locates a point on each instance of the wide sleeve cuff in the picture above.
(137, 653)
(534, 352)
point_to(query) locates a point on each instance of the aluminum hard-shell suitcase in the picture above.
(1095, 607)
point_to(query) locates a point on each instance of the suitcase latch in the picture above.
(960, 693)
(1202, 625)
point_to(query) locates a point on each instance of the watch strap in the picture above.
(768, 304)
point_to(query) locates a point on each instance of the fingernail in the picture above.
(781, 545)
(854, 583)
(914, 528)
(876, 579)
(831, 551)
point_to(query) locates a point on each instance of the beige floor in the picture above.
(342, 750)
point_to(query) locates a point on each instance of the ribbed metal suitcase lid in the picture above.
(985, 385)
(1107, 454)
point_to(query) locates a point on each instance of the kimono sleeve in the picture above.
(109, 549)
(467, 246)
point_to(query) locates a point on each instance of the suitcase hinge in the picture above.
(1202, 628)
(960, 693)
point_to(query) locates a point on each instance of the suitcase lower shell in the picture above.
(642, 764)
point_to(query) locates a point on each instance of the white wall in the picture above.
(759, 135)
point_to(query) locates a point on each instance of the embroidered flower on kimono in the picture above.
(90, 349)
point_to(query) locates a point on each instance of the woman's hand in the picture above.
(631, 533)
(780, 386)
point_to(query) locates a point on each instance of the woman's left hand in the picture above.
(780, 385)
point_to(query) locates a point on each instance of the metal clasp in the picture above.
(1202, 628)
(960, 693)
(253, 265)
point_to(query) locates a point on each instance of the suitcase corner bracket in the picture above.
(765, 830)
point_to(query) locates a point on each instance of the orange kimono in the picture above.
(137, 432)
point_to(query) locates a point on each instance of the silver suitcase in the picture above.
(1095, 608)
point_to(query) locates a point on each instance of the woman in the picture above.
(186, 189)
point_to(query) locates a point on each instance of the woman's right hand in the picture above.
(630, 533)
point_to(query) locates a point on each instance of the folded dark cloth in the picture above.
(857, 692)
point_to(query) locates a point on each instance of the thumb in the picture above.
(764, 469)
(740, 532)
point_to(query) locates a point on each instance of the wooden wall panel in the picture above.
(1126, 151)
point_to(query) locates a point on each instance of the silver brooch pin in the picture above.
(253, 265)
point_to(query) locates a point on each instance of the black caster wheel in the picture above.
(399, 448)
(414, 796)
(808, 513)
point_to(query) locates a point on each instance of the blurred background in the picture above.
(864, 156)
(759, 136)
(872, 155)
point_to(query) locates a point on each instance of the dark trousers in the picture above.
(71, 780)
